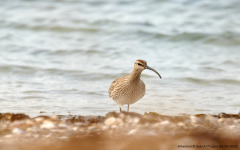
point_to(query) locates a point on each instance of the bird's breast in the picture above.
(128, 92)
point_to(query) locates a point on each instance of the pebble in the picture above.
(48, 135)
(194, 119)
(75, 128)
(39, 119)
(91, 128)
(29, 122)
(119, 121)
(136, 120)
(17, 124)
(18, 131)
(132, 132)
(36, 136)
(54, 117)
(122, 116)
(209, 117)
(110, 121)
(79, 123)
(221, 120)
(114, 126)
(181, 124)
(164, 122)
(63, 137)
(63, 125)
(104, 127)
(47, 125)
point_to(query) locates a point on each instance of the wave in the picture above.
(54, 28)
(138, 29)
(214, 81)
(30, 70)
(224, 38)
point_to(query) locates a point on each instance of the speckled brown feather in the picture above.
(113, 85)
(126, 91)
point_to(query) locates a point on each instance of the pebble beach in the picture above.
(119, 131)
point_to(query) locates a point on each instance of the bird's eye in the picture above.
(139, 64)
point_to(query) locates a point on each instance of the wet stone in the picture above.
(18, 131)
(18, 124)
(110, 121)
(15, 117)
(48, 125)
(39, 119)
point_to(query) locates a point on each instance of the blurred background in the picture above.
(60, 56)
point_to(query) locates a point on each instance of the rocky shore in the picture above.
(120, 131)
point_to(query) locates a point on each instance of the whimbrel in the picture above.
(130, 89)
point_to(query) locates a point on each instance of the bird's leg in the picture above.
(120, 109)
(128, 107)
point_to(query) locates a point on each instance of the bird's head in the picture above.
(140, 65)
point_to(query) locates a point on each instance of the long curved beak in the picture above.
(147, 67)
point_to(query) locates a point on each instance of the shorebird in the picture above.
(130, 89)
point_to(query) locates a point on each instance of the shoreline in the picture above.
(122, 130)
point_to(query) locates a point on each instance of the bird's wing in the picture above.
(114, 85)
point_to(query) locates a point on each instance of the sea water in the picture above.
(61, 56)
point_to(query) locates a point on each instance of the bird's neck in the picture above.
(135, 75)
